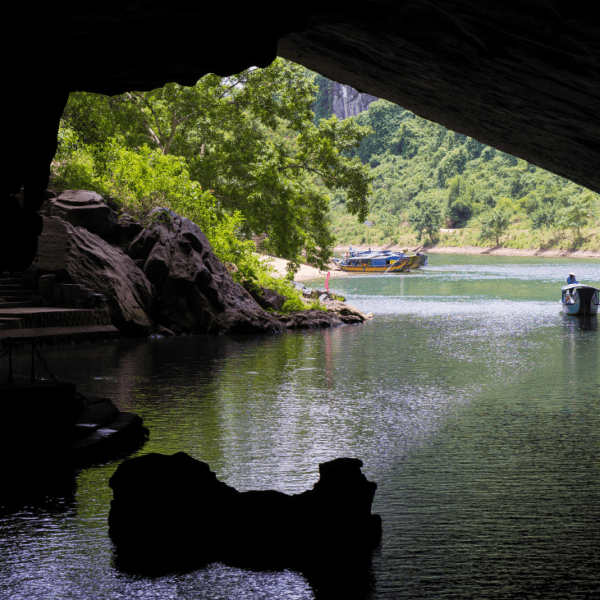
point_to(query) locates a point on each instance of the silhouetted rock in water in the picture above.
(171, 512)
(48, 429)
(195, 291)
(78, 256)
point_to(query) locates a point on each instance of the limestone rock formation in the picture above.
(85, 209)
(348, 102)
(168, 280)
(346, 312)
(195, 291)
(171, 512)
(311, 319)
(267, 299)
(78, 256)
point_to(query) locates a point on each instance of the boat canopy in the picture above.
(574, 286)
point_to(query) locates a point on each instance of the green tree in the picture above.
(426, 216)
(250, 139)
(494, 223)
(576, 214)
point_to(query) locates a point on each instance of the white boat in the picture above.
(579, 299)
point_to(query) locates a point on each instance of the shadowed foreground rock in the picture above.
(171, 512)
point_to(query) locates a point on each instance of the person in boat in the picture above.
(568, 298)
(571, 279)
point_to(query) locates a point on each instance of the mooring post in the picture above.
(10, 377)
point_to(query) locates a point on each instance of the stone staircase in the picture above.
(22, 315)
(15, 291)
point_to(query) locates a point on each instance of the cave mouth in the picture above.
(523, 78)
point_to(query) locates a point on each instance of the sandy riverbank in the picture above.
(307, 273)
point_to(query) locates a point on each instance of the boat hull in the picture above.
(580, 309)
(379, 262)
(580, 300)
(399, 268)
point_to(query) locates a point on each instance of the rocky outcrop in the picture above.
(171, 512)
(348, 102)
(78, 256)
(346, 312)
(310, 319)
(162, 278)
(266, 298)
(194, 290)
(85, 209)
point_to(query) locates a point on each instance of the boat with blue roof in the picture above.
(380, 261)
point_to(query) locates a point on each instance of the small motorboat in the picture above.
(580, 300)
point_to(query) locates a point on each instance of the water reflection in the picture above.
(471, 399)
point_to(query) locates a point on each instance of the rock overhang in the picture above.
(523, 77)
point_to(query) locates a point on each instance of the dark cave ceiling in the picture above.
(522, 76)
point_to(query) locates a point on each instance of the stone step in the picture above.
(96, 413)
(22, 304)
(5, 289)
(13, 283)
(34, 317)
(10, 323)
(125, 429)
(61, 335)
(6, 294)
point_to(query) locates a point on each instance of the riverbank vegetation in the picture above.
(261, 153)
(427, 179)
(238, 155)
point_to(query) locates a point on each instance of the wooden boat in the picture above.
(379, 261)
(580, 300)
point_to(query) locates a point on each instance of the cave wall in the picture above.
(523, 76)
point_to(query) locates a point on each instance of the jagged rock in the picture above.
(266, 298)
(346, 312)
(78, 256)
(172, 512)
(310, 319)
(168, 278)
(195, 291)
(127, 229)
(85, 209)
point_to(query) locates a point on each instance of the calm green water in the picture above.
(473, 403)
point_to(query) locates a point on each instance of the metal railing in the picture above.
(34, 352)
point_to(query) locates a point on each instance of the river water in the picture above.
(473, 403)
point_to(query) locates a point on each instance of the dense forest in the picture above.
(427, 178)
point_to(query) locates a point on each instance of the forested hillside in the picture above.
(427, 178)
